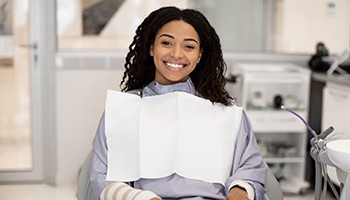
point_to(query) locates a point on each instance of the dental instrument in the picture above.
(325, 151)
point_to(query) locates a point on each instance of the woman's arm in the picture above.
(122, 191)
(248, 168)
(98, 162)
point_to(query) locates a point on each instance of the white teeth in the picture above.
(174, 65)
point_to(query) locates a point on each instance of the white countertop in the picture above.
(336, 78)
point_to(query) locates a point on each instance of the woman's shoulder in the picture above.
(234, 102)
(135, 91)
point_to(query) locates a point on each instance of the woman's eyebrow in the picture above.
(191, 39)
(166, 35)
(170, 36)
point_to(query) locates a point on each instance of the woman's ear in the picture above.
(151, 50)
(199, 57)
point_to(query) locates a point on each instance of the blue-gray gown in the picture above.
(247, 163)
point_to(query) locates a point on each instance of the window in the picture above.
(288, 26)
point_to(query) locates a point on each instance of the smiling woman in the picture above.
(176, 54)
(174, 131)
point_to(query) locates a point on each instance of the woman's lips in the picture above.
(175, 65)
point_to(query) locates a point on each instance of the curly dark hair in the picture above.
(207, 77)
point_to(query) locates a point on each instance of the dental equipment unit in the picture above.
(329, 149)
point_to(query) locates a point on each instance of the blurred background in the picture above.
(58, 58)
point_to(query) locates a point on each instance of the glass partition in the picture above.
(15, 106)
(243, 25)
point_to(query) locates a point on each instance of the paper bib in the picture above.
(156, 136)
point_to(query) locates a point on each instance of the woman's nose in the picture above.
(177, 52)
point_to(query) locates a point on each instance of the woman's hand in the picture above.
(237, 193)
(155, 198)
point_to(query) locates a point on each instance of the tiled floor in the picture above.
(45, 192)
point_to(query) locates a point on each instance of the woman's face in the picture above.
(176, 52)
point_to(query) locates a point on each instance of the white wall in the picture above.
(80, 103)
(70, 18)
(301, 24)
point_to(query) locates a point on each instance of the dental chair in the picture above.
(272, 186)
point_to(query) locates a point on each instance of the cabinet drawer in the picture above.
(276, 121)
(336, 109)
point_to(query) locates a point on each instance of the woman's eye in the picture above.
(166, 43)
(189, 47)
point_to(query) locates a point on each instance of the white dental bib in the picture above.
(156, 136)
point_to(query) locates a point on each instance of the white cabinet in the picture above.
(336, 112)
(261, 89)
